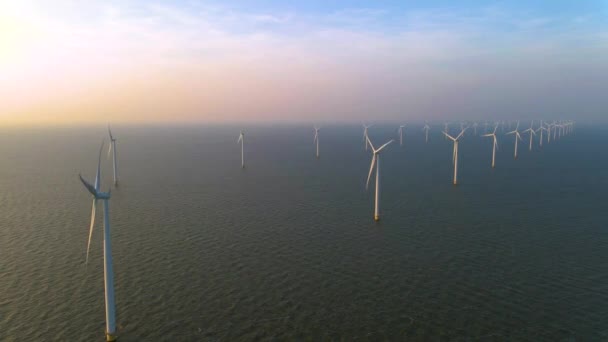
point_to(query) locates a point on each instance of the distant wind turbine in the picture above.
(541, 129)
(242, 141)
(95, 190)
(401, 135)
(455, 153)
(517, 137)
(376, 161)
(494, 144)
(316, 139)
(426, 129)
(112, 148)
(532, 133)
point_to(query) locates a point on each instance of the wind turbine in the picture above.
(376, 161)
(517, 137)
(401, 135)
(365, 128)
(112, 148)
(541, 129)
(426, 129)
(555, 127)
(95, 190)
(532, 133)
(242, 141)
(494, 145)
(455, 153)
(475, 127)
(316, 139)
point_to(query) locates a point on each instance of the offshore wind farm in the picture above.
(303, 171)
(288, 246)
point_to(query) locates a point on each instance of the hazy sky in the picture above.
(131, 61)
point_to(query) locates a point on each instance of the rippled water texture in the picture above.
(287, 248)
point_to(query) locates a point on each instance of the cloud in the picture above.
(208, 62)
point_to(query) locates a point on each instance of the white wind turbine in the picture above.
(426, 129)
(494, 145)
(532, 133)
(517, 137)
(401, 135)
(112, 148)
(376, 161)
(242, 141)
(316, 139)
(455, 153)
(555, 127)
(365, 128)
(541, 129)
(95, 190)
(475, 124)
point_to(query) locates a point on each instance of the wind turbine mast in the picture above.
(108, 273)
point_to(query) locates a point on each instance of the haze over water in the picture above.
(287, 248)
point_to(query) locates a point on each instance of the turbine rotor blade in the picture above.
(461, 133)
(383, 146)
(371, 169)
(109, 150)
(88, 185)
(370, 143)
(98, 175)
(91, 229)
(449, 136)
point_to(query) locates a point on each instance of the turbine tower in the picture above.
(494, 145)
(95, 190)
(401, 135)
(242, 141)
(532, 133)
(455, 153)
(517, 137)
(316, 139)
(112, 148)
(376, 161)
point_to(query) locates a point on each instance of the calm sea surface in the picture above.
(287, 248)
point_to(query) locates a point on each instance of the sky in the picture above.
(132, 61)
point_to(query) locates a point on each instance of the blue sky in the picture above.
(315, 60)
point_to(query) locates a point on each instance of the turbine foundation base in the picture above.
(111, 337)
(376, 218)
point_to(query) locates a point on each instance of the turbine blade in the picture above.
(91, 229)
(383, 146)
(88, 185)
(370, 143)
(461, 133)
(98, 175)
(109, 150)
(110, 132)
(371, 169)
